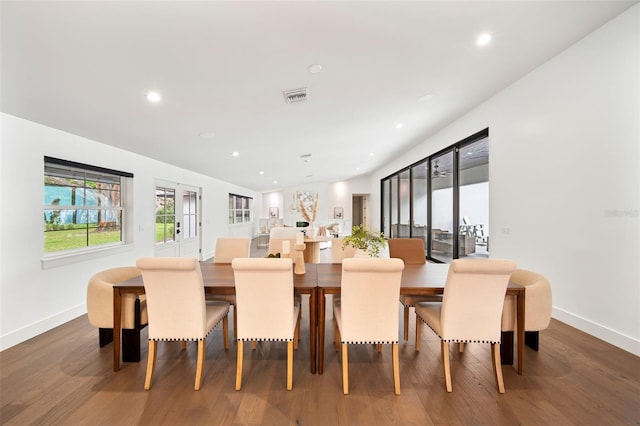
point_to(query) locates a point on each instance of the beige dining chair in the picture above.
(470, 311)
(538, 305)
(227, 249)
(264, 293)
(100, 310)
(368, 309)
(177, 308)
(411, 251)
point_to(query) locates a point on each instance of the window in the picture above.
(239, 209)
(165, 214)
(442, 199)
(83, 206)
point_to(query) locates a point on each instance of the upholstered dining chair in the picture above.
(411, 251)
(227, 249)
(368, 310)
(264, 293)
(470, 311)
(100, 310)
(177, 308)
(537, 307)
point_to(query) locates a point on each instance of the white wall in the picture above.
(32, 299)
(565, 177)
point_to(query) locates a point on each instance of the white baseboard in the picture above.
(613, 337)
(32, 330)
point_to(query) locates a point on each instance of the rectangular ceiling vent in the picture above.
(296, 95)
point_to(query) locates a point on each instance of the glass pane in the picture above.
(105, 231)
(404, 208)
(442, 207)
(64, 230)
(393, 194)
(474, 199)
(420, 206)
(386, 197)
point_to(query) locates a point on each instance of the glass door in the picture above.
(473, 166)
(420, 201)
(442, 231)
(177, 220)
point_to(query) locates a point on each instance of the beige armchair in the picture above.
(411, 251)
(368, 310)
(537, 311)
(227, 249)
(470, 311)
(177, 308)
(264, 292)
(100, 310)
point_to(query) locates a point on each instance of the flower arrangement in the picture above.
(309, 216)
(363, 239)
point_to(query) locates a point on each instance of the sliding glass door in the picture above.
(442, 229)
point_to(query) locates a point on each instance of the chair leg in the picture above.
(497, 366)
(345, 369)
(254, 345)
(200, 363)
(379, 348)
(225, 332)
(447, 366)
(240, 348)
(396, 368)
(289, 365)
(406, 323)
(418, 332)
(296, 333)
(235, 322)
(460, 347)
(151, 363)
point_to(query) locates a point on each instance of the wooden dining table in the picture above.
(218, 278)
(417, 280)
(319, 280)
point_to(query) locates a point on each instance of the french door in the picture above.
(177, 220)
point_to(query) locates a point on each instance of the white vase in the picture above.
(312, 230)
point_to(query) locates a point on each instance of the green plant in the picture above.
(363, 239)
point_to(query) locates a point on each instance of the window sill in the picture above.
(56, 260)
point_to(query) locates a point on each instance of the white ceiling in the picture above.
(85, 67)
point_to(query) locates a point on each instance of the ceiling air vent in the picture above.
(296, 95)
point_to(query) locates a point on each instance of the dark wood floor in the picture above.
(63, 377)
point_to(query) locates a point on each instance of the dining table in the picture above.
(218, 278)
(417, 280)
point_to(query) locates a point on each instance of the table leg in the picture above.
(321, 321)
(520, 318)
(117, 327)
(313, 327)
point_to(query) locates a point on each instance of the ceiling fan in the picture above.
(437, 173)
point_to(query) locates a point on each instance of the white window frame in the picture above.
(65, 257)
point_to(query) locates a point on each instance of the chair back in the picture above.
(264, 295)
(473, 299)
(369, 300)
(538, 302)
(175, 298)
(338, 253)
(100, 298)
(410, 250)
(228, 248)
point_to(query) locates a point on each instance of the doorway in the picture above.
(177, 220)
(359, 210)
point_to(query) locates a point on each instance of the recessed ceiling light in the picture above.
(315, 68)
(357, 168)
(235, 153)
(153, 97)
(275, 181)
(371, 154)
(399, 126)
(469, 153)
(207, 135)
(483, 39)
(261, 172)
